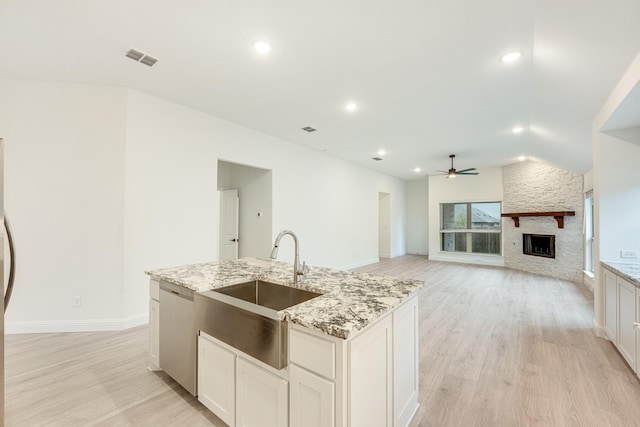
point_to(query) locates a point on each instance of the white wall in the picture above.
(611, 166)
(619, 206)
(588, 181)
(64, 181)
(485, 187)
(171, 211)
(418, 217)
(103, 183)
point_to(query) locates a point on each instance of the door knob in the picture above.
(234, 240)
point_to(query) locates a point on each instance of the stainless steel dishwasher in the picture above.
(178, 335)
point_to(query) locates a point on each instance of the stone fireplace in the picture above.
(536, 187)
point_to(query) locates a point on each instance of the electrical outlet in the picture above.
(77, 302)
(629, 254)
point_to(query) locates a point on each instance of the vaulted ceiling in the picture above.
(426, 75)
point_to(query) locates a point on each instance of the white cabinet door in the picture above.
(216, 379)
(312, 399)
(262, 399)
(626, 319)
(611, 306)
(154, 335)
(405, 362)
(370, 381)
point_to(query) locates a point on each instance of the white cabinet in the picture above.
(626, 321)
(405, 362)
(611, 304)
(261, 397)
(370, 379)
(154, 325)
(240, 392)
(217, 379)
(622, 312)
(312, 399)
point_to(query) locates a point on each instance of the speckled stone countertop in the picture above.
(349, 303)
(631, 272)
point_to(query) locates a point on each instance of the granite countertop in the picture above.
(349, 303)
(631, 272)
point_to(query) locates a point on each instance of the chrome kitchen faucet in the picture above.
(297, 269)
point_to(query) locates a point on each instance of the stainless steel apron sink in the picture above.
(245, 316)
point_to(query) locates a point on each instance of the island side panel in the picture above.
(405, 362)
(153, 361)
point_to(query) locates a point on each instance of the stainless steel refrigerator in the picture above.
(2, 237)
(5, 237)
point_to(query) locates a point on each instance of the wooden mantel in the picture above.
(559, 216)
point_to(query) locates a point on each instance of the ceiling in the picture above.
(426, 75)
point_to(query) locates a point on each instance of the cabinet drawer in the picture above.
(313, 353)
(154, 290)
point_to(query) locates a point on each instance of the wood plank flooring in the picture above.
(497, 348)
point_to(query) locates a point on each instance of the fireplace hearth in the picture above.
(542, 245)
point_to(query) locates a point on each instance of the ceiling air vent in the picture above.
(377, 159)
(141, 57)
(309, 129)
(134, 54)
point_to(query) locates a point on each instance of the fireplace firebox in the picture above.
(543, 245)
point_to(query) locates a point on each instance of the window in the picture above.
(471, 227)
(589, 241)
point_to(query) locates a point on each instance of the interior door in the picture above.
(229, 219)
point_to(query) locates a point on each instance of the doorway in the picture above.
(249, 190)
(384, 221)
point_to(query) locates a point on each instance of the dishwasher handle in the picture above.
(178, 290)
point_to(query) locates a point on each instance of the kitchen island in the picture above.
(352, 352)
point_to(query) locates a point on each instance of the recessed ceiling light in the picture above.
(522, 158)
(351, 107)
(381, 152)
(511, 57)
(262, 47)
(517, 129)
(417, 170)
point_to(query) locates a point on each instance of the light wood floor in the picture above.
(497, 348)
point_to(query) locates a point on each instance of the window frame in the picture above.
(589, 233)
(470, 231)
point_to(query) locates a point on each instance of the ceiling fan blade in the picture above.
(442, 171)
(467, 173)
(466, 170)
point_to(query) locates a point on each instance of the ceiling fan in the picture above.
(452, 173)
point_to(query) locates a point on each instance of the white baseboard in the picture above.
(397, 254)
(359, 264)
(598, 329)
(93, 325)
(493, 260)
